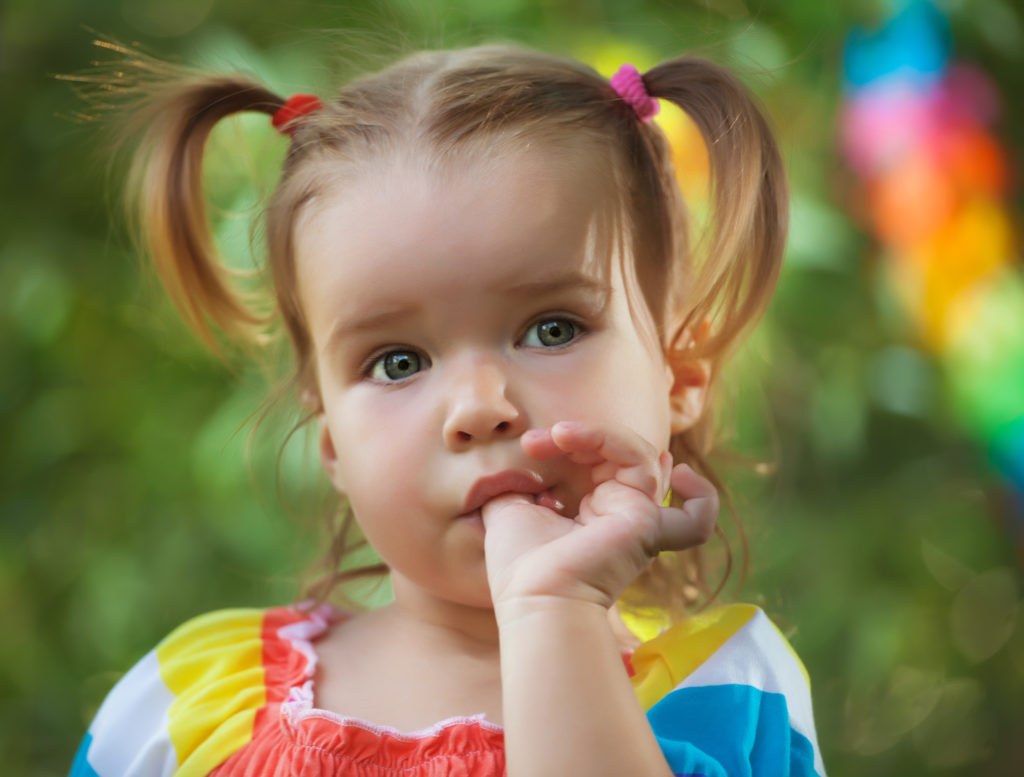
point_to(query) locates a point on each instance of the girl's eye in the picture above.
(396, 365)
(550, 332)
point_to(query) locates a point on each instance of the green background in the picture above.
(134, 494)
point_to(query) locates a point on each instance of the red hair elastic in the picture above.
(629, 85)
(295, 107)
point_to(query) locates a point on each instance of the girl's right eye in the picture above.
(396, 365)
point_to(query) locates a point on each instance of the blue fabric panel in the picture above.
(730, 731)
(80, 767)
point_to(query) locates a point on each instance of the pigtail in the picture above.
(741, 254)
(718, 292)
(175, 109)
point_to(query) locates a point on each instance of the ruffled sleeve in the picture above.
(197, 698)
(726, 695)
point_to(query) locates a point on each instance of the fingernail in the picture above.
(550, 501)
(571, 426)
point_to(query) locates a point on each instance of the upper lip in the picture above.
(520, 481)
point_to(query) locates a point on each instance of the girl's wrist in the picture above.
(538, 610)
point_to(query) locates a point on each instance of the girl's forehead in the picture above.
(451, 229)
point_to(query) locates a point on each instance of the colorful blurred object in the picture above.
(917, 131)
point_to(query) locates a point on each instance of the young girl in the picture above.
(508, 344)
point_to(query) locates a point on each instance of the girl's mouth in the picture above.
(511, 481)
(545, 499)
(508, 481)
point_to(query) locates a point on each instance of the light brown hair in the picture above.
(705, 295)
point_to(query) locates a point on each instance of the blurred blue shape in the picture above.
(914, 44)
(1007, 454)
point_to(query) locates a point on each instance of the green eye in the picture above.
(395, 365)
(550, 333)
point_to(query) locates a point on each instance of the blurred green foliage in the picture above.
(128, 501)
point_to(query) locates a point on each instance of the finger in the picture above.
(501, 501)
(624, 448)
(694, 523)
(683, 528)
(540, 445)
(689, 485)
(619, 453)
(582, 444)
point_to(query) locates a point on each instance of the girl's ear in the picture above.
(689, 393)
(690, 378)
(328, 454)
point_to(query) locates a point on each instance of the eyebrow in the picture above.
(366, 323)
(556, 284)
(563, 282)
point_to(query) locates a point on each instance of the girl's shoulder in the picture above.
(197, 697)
(728, 682)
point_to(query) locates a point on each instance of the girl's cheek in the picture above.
(391, 422)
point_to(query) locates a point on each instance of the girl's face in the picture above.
(449, 314)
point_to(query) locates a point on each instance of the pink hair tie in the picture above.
(295, 107)
(629, 85)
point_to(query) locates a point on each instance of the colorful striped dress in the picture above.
(230, 694)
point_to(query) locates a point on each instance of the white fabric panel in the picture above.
(130, 737)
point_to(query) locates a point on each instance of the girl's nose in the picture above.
(479, 409)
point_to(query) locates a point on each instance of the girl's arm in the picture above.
(569, 707)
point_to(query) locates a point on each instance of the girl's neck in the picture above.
(444, 624)
(452, 627)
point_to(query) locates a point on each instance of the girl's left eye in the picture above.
(550, 332)
(396, 366)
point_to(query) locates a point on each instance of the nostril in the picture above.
(501, 427)
(465, 436)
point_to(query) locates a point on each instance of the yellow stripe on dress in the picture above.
(690, 644)
(213, 665)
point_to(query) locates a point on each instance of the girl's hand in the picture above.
(532, 551)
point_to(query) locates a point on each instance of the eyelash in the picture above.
(368, 366)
